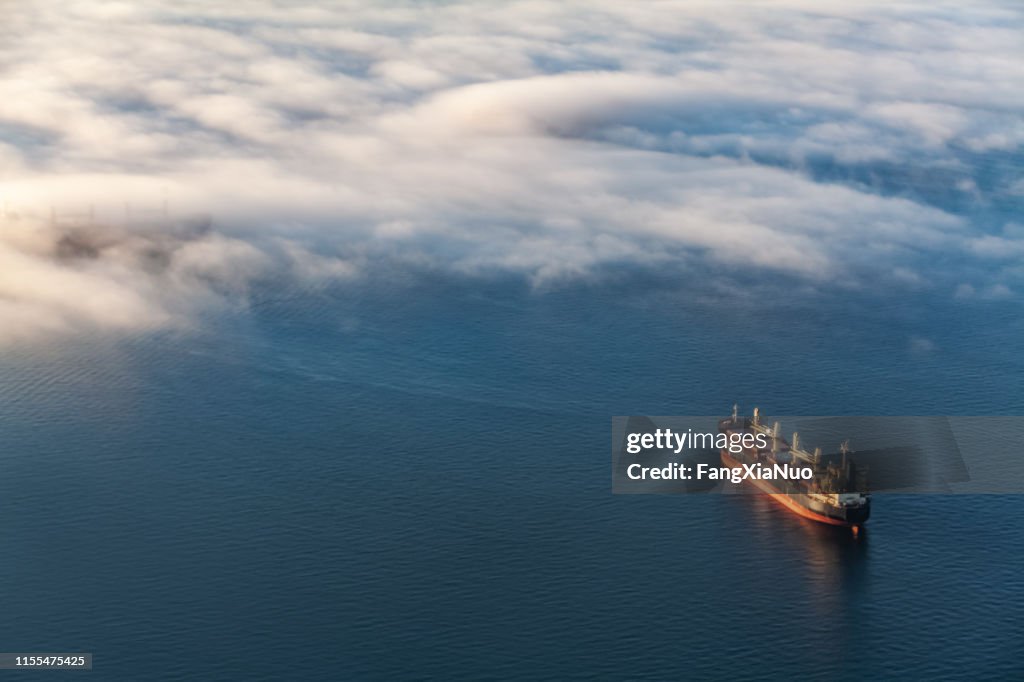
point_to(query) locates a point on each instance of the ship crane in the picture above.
(757, 427)
(812, 458)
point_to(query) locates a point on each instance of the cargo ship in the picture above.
(835, 492)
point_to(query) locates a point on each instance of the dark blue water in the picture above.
(414, 482)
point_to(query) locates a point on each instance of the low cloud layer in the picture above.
(842, 144)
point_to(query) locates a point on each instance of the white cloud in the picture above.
(999, 247)
(817, 141)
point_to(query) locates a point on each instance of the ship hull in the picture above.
(803, 505)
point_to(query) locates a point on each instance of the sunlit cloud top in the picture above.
(840, 143)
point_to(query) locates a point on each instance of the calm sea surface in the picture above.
(415, 482)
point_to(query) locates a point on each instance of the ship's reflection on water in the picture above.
(815, 577)
(832, 561)
(837, 563)
(827, 571)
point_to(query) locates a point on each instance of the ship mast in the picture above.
(757, 427)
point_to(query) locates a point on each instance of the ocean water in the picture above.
(414, 481)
